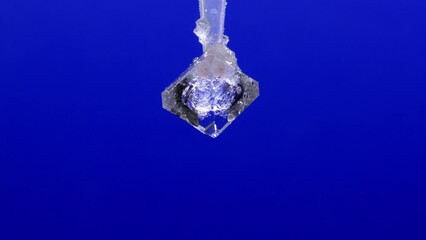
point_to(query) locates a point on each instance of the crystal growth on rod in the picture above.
(213, 91)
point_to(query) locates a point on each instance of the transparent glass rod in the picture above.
(213, 14)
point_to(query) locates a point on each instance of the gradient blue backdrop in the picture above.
(335, 147)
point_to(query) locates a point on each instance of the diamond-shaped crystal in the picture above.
(212, 92)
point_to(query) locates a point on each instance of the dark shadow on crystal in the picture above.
(250, 91)
(174, 102)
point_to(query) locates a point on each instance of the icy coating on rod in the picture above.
(213, 91)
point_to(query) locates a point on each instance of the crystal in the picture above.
(213, 91)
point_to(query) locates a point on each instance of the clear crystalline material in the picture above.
(214, 90)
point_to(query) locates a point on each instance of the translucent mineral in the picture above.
(213, 91)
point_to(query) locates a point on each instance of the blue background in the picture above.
(334, 148)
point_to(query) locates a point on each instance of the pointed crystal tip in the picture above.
(212, 92)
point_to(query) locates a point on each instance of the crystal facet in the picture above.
(213, 91)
